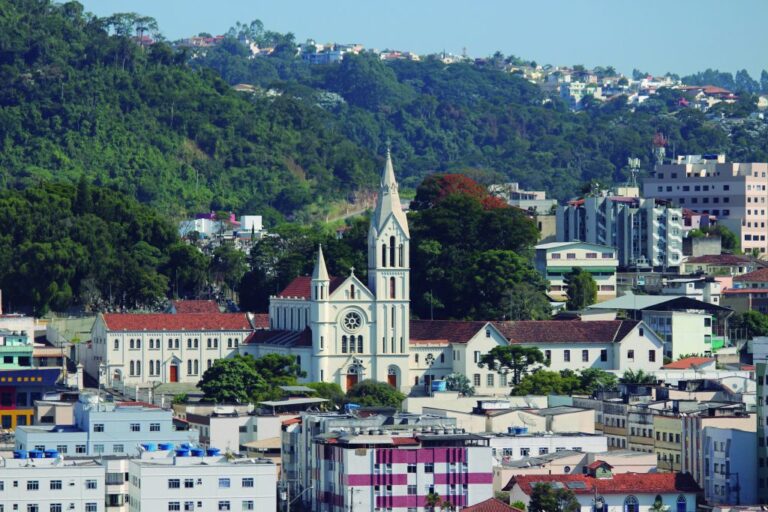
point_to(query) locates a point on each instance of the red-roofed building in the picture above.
(692, 363)
(624, 492)
(491, 505)
(149, 348)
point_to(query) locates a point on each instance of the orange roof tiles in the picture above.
(176, 322)
(688, 363)
(623, 483)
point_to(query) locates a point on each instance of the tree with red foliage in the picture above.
(436, 187)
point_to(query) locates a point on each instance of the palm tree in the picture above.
(638, 377)
(432, 499)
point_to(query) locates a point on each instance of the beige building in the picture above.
(668, 430)
(736, 193)
(556, 259)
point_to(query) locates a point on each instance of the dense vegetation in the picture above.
(480, 120)
(78, 97)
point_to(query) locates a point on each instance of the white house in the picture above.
(602, 490)
(51, 484)
(556, 259)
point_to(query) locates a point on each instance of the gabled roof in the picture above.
(720, 259)
(260, 320)
(301, 287)
(758, 276)
(558, 331)
(624, 483)
(195, 306)
(452, 331)
(598, 464)
(632, 302)
(281, 338)
(688, 363)
(176, 322)
(491, 505)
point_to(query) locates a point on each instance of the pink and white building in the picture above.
(396, 471)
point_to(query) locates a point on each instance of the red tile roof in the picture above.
(176, 322)
(688, 363)
(491, 505)
(758, 276)
(453, 331)
(744, 291)
(557, 331)
(598, 464)
(301, 287)
(260, 320)
(145, 405)
(624, 483)
(405, 441)
(196, 306)
(720, 259)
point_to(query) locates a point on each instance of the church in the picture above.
(343, 330)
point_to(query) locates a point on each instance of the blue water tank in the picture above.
(523, 430)
(36, 454)
(51, 454)
(439, 385)
(197, 452)
(165, 446)
(150, 447)
(348, 408)
(182, 452)
(212, 452)
(20, 454)
(186, 446)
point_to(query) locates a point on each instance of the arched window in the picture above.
(393, 316)
(352, 344)
(359, 344)
(384, 255)
(132, 369)
(400, 256)
(197, 366)
(352, 291)
(151, 367)
(391, 287)
(157, 364)
(682, 504)
(343, 344)
(131, 343)
(138, 368)
(210, 363)
(117, 344)
(298, 361)
(631, 504)
(392, 248)
(189, 367)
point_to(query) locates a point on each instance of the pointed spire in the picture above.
(388, 202)
(320, 272)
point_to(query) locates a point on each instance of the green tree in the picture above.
(526, 301)
(546, 499)
(638, 377)
(519, 505)
(233, 380)
(514, 359)
(432, 500)
(370, 393)
(228, 266)
(187, 270)
(460, 383)
(330, 391)
(581, 289)
(750, 323)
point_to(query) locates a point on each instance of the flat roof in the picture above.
(293, 401)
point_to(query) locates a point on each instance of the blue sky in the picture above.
(681, 36)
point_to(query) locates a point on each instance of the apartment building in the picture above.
(645, 233)
(516, 446)
(730, 475)
(379, 470)
(207, 481)
(556, 260)
(760, 358)
(733, 192)
(50, 484)
(106, 428)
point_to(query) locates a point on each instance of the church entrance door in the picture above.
(392, 380)
(174, 373)
(351, 380)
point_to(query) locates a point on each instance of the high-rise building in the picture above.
(644, 232)
(735, 193)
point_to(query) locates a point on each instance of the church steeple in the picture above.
(320, 272)
(388, 202)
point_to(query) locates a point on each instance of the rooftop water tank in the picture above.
(182, 452)
(212, 452)
(197, 452)
(51, 454)
(150, 447)
(20, 454)
(165, 446)
(36, 454)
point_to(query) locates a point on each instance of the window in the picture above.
(91, 507)
(80, 448)
(391, 287)
(412, 490)
(117, 344)
(585, 356)
(247, 505)
(135, 427)
(118, 448)
(571, 255)
(33, 508)
(548, 355)
(154, 427)
(411, 467)
(477, 356)
(591, 255)
(489, 380)
(55, 485)
(174, 483)
(429, 467)
(33, 485)
(630, 354)
(567, 356)
(189, 505)
(174, 505)
(55, 507)
(98, 427)
(91, 484)
(604, 355)
(476, 379)
(189, 483)
(543, 451)
(631, 504)
(247, 482)
(224, 505)
(525, 452)
(98, 448)
(224, 483)
(652, 356)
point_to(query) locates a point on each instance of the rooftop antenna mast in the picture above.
(634, 170)
(659, 147)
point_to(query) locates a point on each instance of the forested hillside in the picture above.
(79, 97)
(470, 118)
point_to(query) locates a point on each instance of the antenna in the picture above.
(634, 170)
